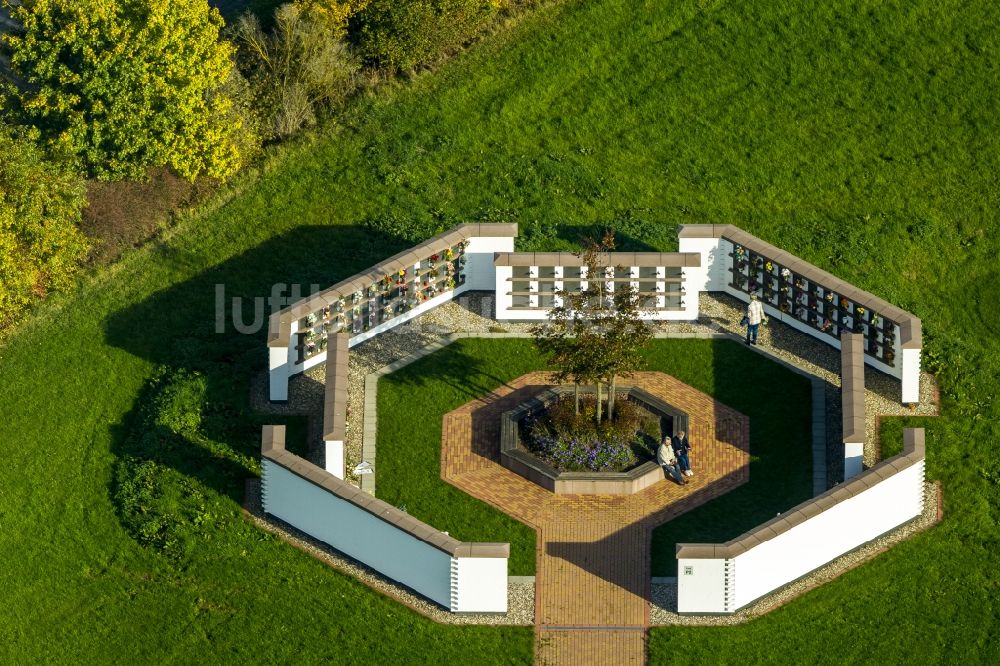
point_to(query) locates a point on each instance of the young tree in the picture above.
(301, 64)
(40, 245)
(594, 335)
(128, 84)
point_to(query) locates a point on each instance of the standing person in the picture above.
(755, 315)
(681, 448)
(668, 461)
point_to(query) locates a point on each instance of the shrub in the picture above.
(40, 205)
(293, 71)
(402, 34)
(127, 84)
(170, 462)
(576, 442)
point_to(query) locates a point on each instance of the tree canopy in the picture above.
(594, 335)
(128, 84)
(40, 204)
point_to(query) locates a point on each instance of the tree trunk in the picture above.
(599, 404)
(611, 399)
(576, 398)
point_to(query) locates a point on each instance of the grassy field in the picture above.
(861, 136)
(412, 401)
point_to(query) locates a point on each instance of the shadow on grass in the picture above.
(778, 403)
(195, 416)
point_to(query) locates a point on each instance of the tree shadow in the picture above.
(180, 330)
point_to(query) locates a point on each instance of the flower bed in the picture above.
(571, 442)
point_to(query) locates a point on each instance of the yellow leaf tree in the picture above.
(40, 205)
(128, 84)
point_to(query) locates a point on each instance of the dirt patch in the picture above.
(126, 214)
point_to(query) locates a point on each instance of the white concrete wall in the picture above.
(711, 275)
(854, 458)
(724, 586)
(701, 586)
(277, 363)
(479, 268)
(838, 530)
(479, 584)
(391, 551)
(334, 457)
(910, 371)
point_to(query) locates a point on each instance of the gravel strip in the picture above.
(520, 592)
(663, 605)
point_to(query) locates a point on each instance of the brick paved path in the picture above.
(593, 574)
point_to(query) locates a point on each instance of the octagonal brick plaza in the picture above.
(593, 557)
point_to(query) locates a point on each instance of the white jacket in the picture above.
(665, 455)
(755, 313)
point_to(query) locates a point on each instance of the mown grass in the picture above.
(412, 402)
(861, 136)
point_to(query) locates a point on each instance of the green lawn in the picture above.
(412, 402)
(861, 136)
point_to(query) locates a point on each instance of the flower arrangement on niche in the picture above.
(827, 325)
(829, 297)
(768, 267)
(449, 254)
(786, 273)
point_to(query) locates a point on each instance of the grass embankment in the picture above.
(412, 402)
(861, 137)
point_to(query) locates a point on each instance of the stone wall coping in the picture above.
(913, 453)
(273, 449)
(910, 336)
(279, 333)
(335, 394)
(609, 259)
(852, 387)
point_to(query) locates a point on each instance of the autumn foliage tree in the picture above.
(127, 84)
(595, 334)
(40, 205)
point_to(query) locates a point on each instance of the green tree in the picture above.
(128, 84)
(595, 334)
(40, 245)
(401, 34)
(301, 65)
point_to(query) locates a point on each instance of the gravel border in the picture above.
(520, 590)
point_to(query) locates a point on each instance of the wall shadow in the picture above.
(779, 405)
(204, 378)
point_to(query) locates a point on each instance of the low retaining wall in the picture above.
(722, 578)
(852, 400)
(717, 244)
(335, 403)
(463, 577)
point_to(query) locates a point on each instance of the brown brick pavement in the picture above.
(594, 559)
